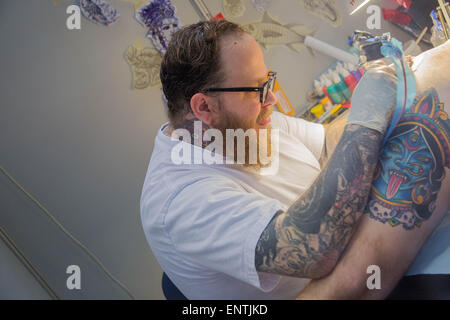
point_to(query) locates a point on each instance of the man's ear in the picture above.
(203, 107)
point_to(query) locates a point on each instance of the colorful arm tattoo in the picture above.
(412, 165)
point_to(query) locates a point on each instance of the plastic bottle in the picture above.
(323, 83)
(317, 110)
(362, 70)
(339, 68)
(318, 88)
(333, 91)
(349, 79)
(327, 105)
(346, 89)
(354, 71)
(341, 86)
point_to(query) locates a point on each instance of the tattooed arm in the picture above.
(333, 133)
(409, 199)
(307, 239)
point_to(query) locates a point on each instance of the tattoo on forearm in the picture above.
(314, 231)
(412, 166)
(333, 133)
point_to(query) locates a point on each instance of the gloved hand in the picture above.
(373, 101)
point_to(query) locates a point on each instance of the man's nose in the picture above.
(271, 99)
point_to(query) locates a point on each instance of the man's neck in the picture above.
(188, 124)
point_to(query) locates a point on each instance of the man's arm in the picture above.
(333, 133)
(307, 239)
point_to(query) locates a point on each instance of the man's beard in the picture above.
(262, 139)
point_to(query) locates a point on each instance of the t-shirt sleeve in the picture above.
(216, 223)
(311, 134)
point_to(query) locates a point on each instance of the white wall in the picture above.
(77, 136)
(16, 281)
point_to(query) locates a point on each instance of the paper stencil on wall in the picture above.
(269, 32)
(145, 63)
(159, 17)
(324, 9)
(233, 8)
(98, 11)
(261, 5)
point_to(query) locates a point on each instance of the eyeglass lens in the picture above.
(270, 85)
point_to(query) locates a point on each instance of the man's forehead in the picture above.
(242, 58)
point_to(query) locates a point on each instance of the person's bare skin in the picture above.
(392, 248)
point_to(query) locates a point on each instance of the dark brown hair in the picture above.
(192, 63)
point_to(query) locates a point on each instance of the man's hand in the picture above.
(373, 101)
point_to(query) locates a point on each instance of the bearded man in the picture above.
(252, 229)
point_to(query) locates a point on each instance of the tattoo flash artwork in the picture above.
(159, 17)
(412, 165)
(98, 11)
(261, 5)
(324, 9)
(269, 32)
(233, 8)
(145, 63)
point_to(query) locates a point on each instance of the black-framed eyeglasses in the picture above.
(263, 90)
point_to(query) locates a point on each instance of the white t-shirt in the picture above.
(203, 221)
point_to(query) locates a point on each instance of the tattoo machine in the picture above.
(377, 47)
